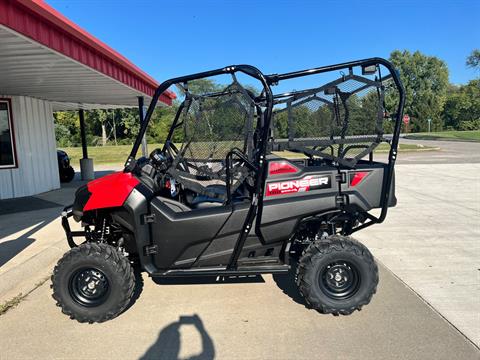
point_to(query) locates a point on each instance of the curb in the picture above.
(468, 340)
(31, 272)
(439, 139)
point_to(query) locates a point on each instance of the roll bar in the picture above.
(267, 98)
(246, 69)
(273, 79)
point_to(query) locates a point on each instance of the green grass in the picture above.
(471, 135)
(104, 154)
(383, 148)
(118, 154)
(11, 303)
(15, 301)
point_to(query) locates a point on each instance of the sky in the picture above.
(168, 39)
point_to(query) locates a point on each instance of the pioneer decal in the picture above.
(307, 183)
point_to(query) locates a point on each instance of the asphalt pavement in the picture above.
(451, 152)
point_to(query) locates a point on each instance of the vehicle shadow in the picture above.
(202, 280)
(168, 343)
(197, 280)
(286, 283)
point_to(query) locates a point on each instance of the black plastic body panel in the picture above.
(137, 205)
(280, 216)
(202, 238)
(183, 235)
(366, 194)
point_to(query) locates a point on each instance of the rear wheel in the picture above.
(67, 175)
(93, 283)
(337, 275)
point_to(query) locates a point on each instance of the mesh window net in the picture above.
(342, 121)
(209, 127)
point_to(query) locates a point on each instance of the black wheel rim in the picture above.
(339, 280)
(89, 287)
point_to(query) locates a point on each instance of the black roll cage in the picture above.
(267, 98)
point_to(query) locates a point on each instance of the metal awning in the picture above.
(44, 55)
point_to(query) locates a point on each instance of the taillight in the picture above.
(281, 167)
(357, 177)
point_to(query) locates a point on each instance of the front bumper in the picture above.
(66, 213)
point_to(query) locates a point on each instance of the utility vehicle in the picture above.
(249, 181)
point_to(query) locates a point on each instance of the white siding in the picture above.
(37, 170)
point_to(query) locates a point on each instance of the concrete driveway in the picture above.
(429, 241)
(251, 320)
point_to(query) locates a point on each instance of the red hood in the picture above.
(110, 191)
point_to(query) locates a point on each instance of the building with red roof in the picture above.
(48, 64)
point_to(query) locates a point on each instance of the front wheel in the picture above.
(93, 283)
(337, 275)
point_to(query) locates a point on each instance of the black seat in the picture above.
(205, 201)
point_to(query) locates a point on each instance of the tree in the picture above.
(473, 60)
(425, 79)
(203, 86)
(67, 128)
(128, 123)
(160, 123)
(95, 120)
(462, 108)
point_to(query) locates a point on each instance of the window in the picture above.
(7, 146)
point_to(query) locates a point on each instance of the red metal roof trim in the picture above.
(40, 22)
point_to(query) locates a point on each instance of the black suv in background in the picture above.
(65, 170)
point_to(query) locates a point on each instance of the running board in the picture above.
(223, 271)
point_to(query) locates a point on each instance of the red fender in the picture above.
(110, 191)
